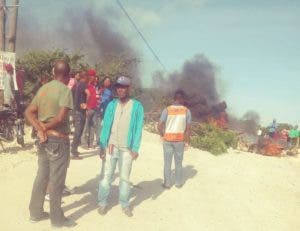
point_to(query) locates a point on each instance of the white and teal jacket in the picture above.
(135, 127)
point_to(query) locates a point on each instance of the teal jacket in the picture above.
(135, 127)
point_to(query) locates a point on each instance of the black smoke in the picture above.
(79, 29)
(198, 79)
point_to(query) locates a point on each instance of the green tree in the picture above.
(39, 64)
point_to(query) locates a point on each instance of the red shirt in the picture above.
(92, 101)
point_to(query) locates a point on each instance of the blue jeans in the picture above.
(171, 149)
(124, 160)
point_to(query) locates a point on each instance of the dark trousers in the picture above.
(89, 127)
(53, 161)
(79, 121)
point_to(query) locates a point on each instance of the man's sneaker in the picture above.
(127, 211)
(66, 223)
(67, 191)
(178, 185)
(44, 216)
(102, 210)
(47, 197)
(76, 157)
(165, 186)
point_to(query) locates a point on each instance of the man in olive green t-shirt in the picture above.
(48, 114)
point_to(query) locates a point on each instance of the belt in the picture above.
(57, 134)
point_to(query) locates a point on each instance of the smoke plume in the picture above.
(198, 79)
(80, 29)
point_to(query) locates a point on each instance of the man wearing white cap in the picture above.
(120, 142)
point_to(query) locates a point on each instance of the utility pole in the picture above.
(2, 24)
(12, 32)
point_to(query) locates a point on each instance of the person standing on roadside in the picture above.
(48, 114)
(120, 138)
(88, 132)
(175, 128)
(79, 114)
(106, 95)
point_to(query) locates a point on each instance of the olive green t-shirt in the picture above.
(50, 98)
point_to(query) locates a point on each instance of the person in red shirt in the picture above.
(88, 132)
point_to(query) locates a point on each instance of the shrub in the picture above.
(210, 138)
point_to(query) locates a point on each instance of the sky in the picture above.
(254, 45)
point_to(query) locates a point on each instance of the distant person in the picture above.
(174, 127)
(294, 135)
(120, 140)
(8, 84)
(272, 128)
(107, 94)
(48, 114)
(88, 132)
(259, 132)
(81, 95)
(104, 99)
(104, 96)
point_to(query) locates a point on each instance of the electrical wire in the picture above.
(141, 34)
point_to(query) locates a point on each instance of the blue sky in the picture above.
(255, 45)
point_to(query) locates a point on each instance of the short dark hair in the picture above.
(180, 93)
(61, 68)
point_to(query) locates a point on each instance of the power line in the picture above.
(141, 35)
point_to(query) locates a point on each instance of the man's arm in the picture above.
(188, 134)
(161, 123)
(188, 127)
(138, 133)
(31, 115)
(161, 128)
(88, 94)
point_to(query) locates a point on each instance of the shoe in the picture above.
(44, 216)
(67, 191)
(47, 197)
(165, 186)
(102, 210)
(85, 147)
(75, 153)
(127, 211)
(66, 223)
(178, 186)
(76, 157)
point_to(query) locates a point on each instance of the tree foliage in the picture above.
(38, 64)
(213, 139)
(113, 66)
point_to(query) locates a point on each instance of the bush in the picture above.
(39, 64)
(213, 139)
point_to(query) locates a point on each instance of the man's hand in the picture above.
(186, 146)
(43, 126)
(102, 153)
(134, 155)
(42, 136)
(83, 106)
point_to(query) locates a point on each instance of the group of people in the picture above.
(291, 135)
(119, 136)
(90, 100)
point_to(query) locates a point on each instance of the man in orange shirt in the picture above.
(174, 128)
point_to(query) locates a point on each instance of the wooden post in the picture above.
(2, 38)
(12, 32)
(2, 24)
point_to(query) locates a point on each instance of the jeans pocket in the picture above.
(53, 150)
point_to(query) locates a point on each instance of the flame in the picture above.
(220, 120)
